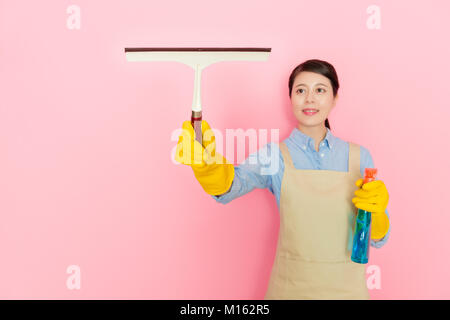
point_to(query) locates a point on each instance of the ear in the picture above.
(335, 99)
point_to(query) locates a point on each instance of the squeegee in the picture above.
(198, 59)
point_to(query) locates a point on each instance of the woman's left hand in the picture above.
(374, 197)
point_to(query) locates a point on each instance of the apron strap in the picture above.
(286, 155)
(354, 156)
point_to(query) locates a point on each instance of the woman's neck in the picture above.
(317, 133)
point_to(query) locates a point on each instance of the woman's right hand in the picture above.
(214, 173)
(190, 151)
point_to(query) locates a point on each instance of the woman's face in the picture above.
(312, 91)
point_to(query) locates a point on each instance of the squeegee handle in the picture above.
(196, 121)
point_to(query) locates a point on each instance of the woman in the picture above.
(318, 188)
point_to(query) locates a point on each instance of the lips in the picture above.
(310, 111)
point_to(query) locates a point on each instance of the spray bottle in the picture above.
(361, 237)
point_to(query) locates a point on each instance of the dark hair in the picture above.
(318, 66)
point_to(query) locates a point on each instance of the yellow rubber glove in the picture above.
(214, 173)
(373, 197)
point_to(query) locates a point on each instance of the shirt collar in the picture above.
(304, 141)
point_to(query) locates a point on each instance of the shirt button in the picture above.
(321, 154)
(304, 147)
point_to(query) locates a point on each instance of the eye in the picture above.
(323, 90)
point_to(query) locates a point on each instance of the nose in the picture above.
(310, 96)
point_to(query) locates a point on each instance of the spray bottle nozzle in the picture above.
(370, 174)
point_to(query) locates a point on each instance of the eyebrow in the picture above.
(302, 84)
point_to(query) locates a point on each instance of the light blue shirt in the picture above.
(265, 168)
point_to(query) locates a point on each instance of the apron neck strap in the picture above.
(286, 155)
(353, 158)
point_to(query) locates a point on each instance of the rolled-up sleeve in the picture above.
(255, 172)
(379, 243)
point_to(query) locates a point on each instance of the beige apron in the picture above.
(316, 233)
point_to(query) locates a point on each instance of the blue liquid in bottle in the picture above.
(361, 237)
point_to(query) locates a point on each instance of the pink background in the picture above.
(85, 137)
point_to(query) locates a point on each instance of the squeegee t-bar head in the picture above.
(198, 59)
